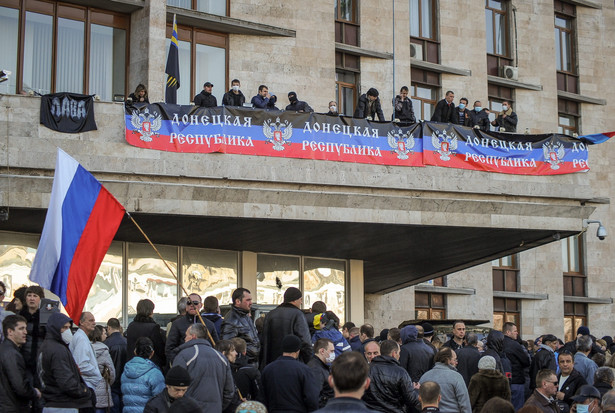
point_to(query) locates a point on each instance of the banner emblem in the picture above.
(445, 145)
(400, 143)
(146, 124)
(554, 154)
(278, 133)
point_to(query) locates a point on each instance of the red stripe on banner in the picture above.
(94, 243)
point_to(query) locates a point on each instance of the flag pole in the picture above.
(172, 273)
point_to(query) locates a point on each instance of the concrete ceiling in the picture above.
(394, 256)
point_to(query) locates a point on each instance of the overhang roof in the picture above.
(395, 256)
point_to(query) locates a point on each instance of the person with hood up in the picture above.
(296, 104)
(487, 383)
(62, 385)
(141, 379)
(416, 356)
(495, 349)
(327, 325)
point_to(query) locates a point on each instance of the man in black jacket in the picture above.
(234, 97)
(324, 354)
(506, 120)
(296, 104)
(369, 106)
(403, 107)
(391, 388)
(117, 349)
(205, 99)
(544, 358)
(468, 357)
(569, 380)
(247, 377)
(177, 381)
(478, 117)
(445, 110)
(416, 356)
(62, 384)
(238, 323)
(519, 361)
(177, 334)
(285, 319)
(289, 384)
(16, 391)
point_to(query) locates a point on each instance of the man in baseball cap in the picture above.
(587, 399)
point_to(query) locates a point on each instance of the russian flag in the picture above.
(81, 221)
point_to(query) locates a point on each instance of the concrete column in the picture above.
(355, 293)
(248, 272)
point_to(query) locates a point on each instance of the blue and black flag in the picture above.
(172, 69)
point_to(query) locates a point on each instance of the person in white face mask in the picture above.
(234, 97)
(587, 400)
(324, 354)
(333, 109)
(62, 387)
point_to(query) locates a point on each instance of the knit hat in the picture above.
(486, 363)
(292, 294)
(291, 343)
(583, 330)
(178, 376)
(185, 404)
(251, 407)
(428, 329)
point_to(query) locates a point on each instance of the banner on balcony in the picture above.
(455, 146)
(68, 112)
(246, 131)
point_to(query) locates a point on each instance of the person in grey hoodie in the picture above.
(455, 397)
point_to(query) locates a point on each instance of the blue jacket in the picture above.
(355, 344)
(141, 381)
(264, 103)
(586, 366)
(339, 342)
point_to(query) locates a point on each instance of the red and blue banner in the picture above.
(247, 131)
(81, 221)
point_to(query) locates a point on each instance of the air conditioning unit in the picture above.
(510, 72)
(416, 51)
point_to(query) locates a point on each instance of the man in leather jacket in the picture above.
(391, 388)
(238, 323)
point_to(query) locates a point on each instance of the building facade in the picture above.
(334, 229)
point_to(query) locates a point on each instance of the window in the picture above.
(346, 92)
(565, 43)
(496, 21)
(16, 254)
(322, 280)
(148, 277)
(423, 31)
(571, 255)
(423, 100)
(505, 273)
(568, 117)
(575, 316)
(430, 306)
(218, 7)
(202, 58)
(64, 48)
(497, 95)
(210, 272)
(346, 22)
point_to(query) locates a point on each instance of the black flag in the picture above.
(172, 69)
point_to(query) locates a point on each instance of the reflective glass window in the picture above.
(70, 56)
(38, 47)
(9, 33)
(16, 254)
(107, 61)
(275, 273)
(210, 272)
(148, 277)
(325, 280)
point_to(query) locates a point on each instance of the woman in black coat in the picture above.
(145, 326)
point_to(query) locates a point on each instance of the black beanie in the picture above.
(292, 294)
(178, 376)
(291, 343)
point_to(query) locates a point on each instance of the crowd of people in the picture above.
(368, 106)
(291, 360)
